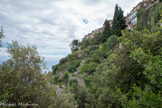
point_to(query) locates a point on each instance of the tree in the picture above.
(98, 38)
(66, 100)
(74, 45)
(80, 95)
(107, 31)
(112, 42)
(21, 78)
(102, 87)
(1, 36)
(119, 22)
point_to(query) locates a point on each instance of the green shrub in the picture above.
(94, 48)
(59, 80)
(155, 14)
(66, 77)
(80, 95)
(148, 18)
(74, 45)
(54, 69)
(141, 23)
(63, 60)
(104, 49)
(95, 57)
(98, 38)
(111, 57)
(142, 99)
(73, 65)
(56, 77)
(87, 80)
(86, 43)
(112, 42)
(88, 68)
(73, 82)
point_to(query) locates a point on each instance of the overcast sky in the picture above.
(51, 25)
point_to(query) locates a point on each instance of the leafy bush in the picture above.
(88, 68)
(59, 80)
(73, 65)
(142, 99)
(86, 43)
(112, 42)
(66, 77)
(155, 14)
(141, 24)
(87, 80)
(72, 69)
(94, 48)
(95, 57)
(73, 82)
(21, 78)
(63, 60)
(74, 45)
(80, 95)
(66, 100)
(54, 69)
(104, 49)
(148, 18)
(98, 38)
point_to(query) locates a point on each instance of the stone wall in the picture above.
(59, 91)
(81, 82)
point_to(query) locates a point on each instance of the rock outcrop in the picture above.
(92, 34)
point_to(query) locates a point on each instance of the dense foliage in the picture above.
(122, 71)
(148, 18)
(106, 71)
(74, 45)
(119, 22)
(107, 31)
(21, 78)
(112, 42)
(23, 84)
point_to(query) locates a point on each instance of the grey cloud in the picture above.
(93, 2)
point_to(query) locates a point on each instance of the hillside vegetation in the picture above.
(118, 69)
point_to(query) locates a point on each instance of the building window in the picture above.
(132, 15)
(145, 4)
(134, 21)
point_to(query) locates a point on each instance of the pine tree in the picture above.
(107, 31)
(74, 45)
(119, 22)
